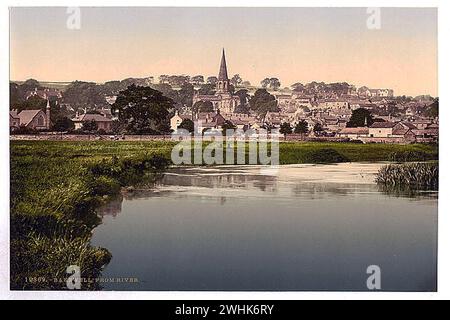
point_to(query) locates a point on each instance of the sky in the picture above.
(292, 44)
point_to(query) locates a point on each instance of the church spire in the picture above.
(223, 75)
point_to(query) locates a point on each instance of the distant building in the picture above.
(389, 129)
(176, 120)
(31, 119)
(366, 92)
(102, 121)
(46, 93)
(222, 101)
(209, 120)
(14, 120)
(353, 133)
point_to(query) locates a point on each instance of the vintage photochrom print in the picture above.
(223, 148)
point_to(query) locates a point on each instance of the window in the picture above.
(40, 121)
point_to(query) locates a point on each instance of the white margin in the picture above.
(444, 212)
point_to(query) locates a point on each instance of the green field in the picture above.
(57, 185)
(290, 152)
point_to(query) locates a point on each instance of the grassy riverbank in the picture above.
(57, 185)
(54, 194)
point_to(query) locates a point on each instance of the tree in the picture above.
(274, 83)
(263, 102)
(207, 89)
(164, 78)
(271, 83)
(30, 85)
(196, 80)
(117, 127)
(285, 129)
(301, 127)
(298, 87)
(236, 80)
(203, 106)
(433, 109)
(265, 83)
(89, 125)
(212, 80)
(186, 94)
(227, 125)
(360, 118)
(63, 124)
(243, 98)
(33, 103)
(80, 94)
(317, 128)
(178, 80)
(143, 110)
(166, 90)
(187, 124)
(15, 94)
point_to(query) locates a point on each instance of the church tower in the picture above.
(223, 83)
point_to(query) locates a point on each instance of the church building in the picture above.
(223, 100)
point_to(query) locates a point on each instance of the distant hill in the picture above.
(48, 84)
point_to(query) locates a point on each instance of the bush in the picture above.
(414, 155)
(129, 170)
(104, 185)
(24, 130)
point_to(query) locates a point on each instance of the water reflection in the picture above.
(304, 227)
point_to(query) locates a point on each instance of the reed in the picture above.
(416, 175)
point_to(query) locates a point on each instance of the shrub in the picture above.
(104, 185)
(411, 155)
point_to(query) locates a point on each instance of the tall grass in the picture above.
(419, 175)
(53, 200)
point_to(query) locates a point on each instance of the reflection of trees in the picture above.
(220, 179)
(406, 191)
(111, 208)
(322, 190)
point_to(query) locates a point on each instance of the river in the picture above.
(296, 227)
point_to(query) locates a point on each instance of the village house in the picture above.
(176, 120)
(101, 121)
(209, 120)
(389, 129)
(333, 124)
(422, 123)
(30, 119)
(241, 120)
(14, 120)
(333, 104)
(353, 133)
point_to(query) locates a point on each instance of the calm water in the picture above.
(303, 227)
